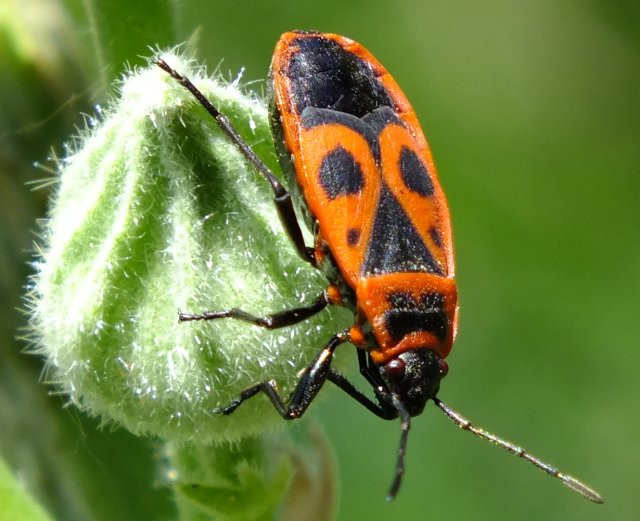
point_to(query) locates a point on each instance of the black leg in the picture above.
(309, 384)
(405, 419)
(273, 321)
(371, 375)
(268, 388)
(281, 197)
(393, 407)
(383, 409)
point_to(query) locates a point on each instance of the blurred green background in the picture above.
(533, 113)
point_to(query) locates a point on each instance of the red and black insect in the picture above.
(367, 185)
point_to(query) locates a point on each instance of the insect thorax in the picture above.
(408, 311)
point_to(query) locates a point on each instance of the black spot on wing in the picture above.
(353, 236)
(340, 174)
(414, 173)
(325, 75)
(435, 237)
(395, 245)
(408, 316)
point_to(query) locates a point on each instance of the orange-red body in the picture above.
(345, 224)
(367, 184)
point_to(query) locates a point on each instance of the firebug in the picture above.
(364, 179)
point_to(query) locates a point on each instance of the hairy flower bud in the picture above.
(155, 212)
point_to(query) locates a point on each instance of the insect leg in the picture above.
(268, 388)
(281, 197)
(370, 374)
(382, 410)
(393, 407)
(309, 384)
(405, 425)
(284, 318)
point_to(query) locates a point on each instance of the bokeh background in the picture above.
(532, 109)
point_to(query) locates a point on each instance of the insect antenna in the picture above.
(569, 481)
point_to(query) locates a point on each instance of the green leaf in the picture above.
(15, 502)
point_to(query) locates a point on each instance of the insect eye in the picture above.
(395, 367)
(444, 368)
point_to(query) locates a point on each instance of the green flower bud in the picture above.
(255, 477)
(155, 212)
